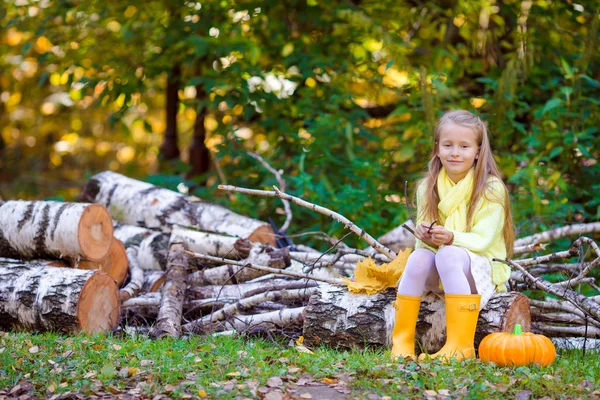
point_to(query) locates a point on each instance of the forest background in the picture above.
(342, 96)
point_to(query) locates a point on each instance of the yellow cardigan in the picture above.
(485, 237)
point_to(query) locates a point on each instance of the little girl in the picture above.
(463, 222)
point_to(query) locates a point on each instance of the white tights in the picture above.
(424, 268)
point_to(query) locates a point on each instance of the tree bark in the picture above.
(169, 149)
(50, 229)
(211, 244)
(260, 255)
(168, 322)
(337, 317)
(199, 154)
(153, 246)
(59, 299)
(139, 203)
(153, 280)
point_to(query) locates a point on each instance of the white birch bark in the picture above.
(42, 229)
(139, 203)
(274, 319)
(168, 322)
(211, 244)
(153, 246)
(338, 317)
(61, 299)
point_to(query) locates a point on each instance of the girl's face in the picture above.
(457, 149)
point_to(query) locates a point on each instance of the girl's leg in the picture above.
(453, 264)
(419, 266)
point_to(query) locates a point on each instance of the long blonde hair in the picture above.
(485, 166)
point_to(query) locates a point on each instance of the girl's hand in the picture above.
(421, 232)
(441, 236)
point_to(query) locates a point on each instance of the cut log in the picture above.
(50, 229)
(59, 299)
(153, 281)
(168, 322)
(337, 317)
(260, 255)
(212, 244)
(140, 203)
(114, 264)
(153, 246)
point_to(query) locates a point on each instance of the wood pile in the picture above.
(140, 257)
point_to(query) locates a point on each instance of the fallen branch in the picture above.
(265, 269)
(168, 322)
(281, 181)
(247, 303)
(556, 233)
(322, 210)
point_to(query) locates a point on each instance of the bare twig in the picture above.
(281, 181)
(586, 304)
(529, 248)
(322, 210)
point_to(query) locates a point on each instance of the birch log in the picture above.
(337, 317)
(114, 263)
(259, 255)
(168, 322)
(153, 246)
(59, 299)
(153, 280)
(211, 244)
(140, 203)
(50, 229)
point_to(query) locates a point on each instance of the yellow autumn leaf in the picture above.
(371, 278)
(202, 393)
(300, 340)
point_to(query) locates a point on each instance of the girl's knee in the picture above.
(450, 258)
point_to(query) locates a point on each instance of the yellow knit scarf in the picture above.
(454, 200)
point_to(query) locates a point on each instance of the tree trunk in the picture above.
(168, 322)
(139, 203)
(58, 299)
(42, 229)
(199, 154)
(153, 246)
(169, 149)
(337, 317)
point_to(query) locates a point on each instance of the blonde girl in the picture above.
(463, 222)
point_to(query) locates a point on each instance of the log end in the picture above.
(263, 234)
(115, 263)
(518, 312)
(95, 232)
(98, 306)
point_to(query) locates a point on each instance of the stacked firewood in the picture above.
(181, 265)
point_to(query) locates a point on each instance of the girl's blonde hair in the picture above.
(485, 166)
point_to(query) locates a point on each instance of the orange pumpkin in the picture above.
(517, 348)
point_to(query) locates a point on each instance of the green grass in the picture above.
(228, 367)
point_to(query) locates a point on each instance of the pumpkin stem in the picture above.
(518, 329)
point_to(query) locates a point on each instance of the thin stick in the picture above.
(322, 210)
(264, 268)
(286, 203)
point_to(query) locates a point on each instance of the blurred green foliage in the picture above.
(340, 95)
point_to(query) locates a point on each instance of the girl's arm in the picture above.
(488, 225)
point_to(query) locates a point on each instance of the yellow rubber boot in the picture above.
(403, 337)
(462, 312)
